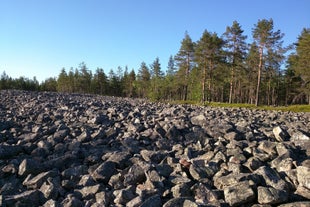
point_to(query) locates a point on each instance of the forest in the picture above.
(215, 68)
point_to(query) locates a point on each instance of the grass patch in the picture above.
(293, 108)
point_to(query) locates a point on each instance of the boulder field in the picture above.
(86, 150)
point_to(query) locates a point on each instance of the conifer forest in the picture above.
(215, 68)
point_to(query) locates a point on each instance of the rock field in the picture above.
(86, 150)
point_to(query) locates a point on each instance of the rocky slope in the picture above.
(84, 150)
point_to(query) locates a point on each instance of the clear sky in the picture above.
(39, 37)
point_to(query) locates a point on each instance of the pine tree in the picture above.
(267, 40)
(156, 80)
(171, 69)
(184, 60)
(252, 60)
(300, 63)
(85, 77)
(99, 82)
(207, 55)
(143, 80)
(62, 81)
(236, 50)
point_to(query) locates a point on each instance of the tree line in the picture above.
(213, 69)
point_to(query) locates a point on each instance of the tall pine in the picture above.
(236, 50)
(267, 41)
(184, 59)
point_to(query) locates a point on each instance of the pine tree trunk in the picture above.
(268, 92)
(259, 75)
(231, 85)
(204, 85)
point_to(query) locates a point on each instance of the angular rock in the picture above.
(104, 172)
(181, 202)
(233, 179)
(296, 204)
(89, 191)
(302, 191)
(27, 198)
(238, 194)
(200, 170)
(204, 194)
(181, 190)
(199, 120)
(154, 201)
(37, 181)
(103, 198)
(7, 151)
(50, 190)
(30, 166)
(270, 195)
(253, 163)
(303, 176)
(121, 159)
(280, 134)
(50, 203)
(72, 201)
(272, 178)
(134, 176)
(124, 195)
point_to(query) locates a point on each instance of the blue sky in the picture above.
(38, 38)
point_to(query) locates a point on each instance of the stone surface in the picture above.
(270, 195)
(238, 194)
(86, 150)
(280, 134)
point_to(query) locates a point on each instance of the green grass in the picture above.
(293, 108)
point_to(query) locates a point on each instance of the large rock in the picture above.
(26, 198)
(37, 181)
(104, 172)
(303, 176)
(270, 195)
(280, 134)
(272, 178)
(238, 194)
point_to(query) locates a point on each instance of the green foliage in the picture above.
(49, 84)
